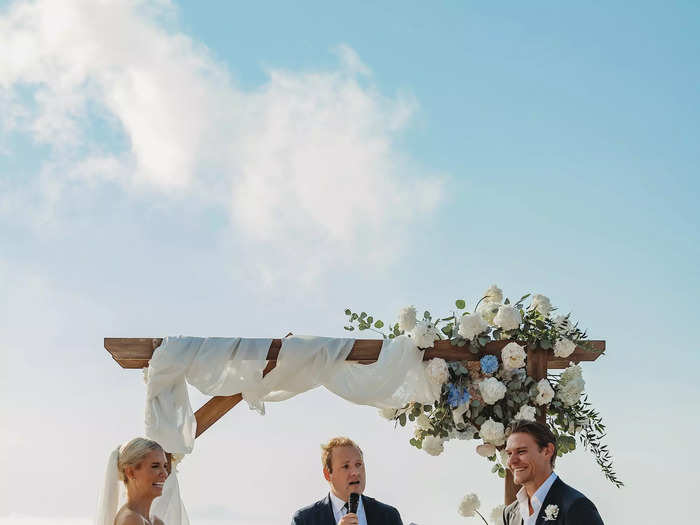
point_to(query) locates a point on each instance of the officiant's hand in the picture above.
(349, 519)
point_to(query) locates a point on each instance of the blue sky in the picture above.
(219, 169)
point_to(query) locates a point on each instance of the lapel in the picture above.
(327, 516)
(367, 504)
(553, 497)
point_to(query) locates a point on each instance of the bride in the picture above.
(142, 466)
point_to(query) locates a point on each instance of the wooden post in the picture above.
(536, 369)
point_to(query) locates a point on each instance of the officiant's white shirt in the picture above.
(537, 499)
(339, 510)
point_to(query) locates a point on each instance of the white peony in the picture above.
(424, 334)
(526, 412)
(407, 318)
(488, 311)
(492, 390)
(492, 432)
(545, 392)
(542, 304)
(388, 413)
(564, 347)
(471, 325)
(508, 317)
(513, 356)
(433, 445)
(493, 295)
(571, 385)
(423, 422)
(496, 515)
(469, 505)
(486, 450)
(437, 371)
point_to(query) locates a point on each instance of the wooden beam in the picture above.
(214, 409)
(136, 352)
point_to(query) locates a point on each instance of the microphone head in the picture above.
(353, 502)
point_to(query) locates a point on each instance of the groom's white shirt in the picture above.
(537, 499)
(339, 511)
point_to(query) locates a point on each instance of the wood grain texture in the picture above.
(135, 352)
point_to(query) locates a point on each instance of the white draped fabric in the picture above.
(227, 366)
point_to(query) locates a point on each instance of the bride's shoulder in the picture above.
(126, 516)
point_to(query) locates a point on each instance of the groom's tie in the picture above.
(345, 509)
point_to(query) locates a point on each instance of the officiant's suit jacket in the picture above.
(574, 508)
(321, 513)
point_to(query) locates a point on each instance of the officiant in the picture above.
(344, 469)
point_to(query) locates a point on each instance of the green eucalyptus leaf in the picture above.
(461, 304)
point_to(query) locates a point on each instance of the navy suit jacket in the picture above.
(574, 508)
(321, 513)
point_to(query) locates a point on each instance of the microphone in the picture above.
(353, 502)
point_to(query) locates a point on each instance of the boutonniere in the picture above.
(551, 512)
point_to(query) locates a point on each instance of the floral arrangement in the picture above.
(481, 397)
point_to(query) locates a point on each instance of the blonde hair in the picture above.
(327, 449)
(133, 452)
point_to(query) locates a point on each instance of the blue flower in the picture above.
(489, 364)
(457, 395)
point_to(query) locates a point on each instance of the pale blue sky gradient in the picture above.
(566, 137)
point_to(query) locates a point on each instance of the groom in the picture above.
(344, 469)
(544, 498)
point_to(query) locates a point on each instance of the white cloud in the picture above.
(305, 163)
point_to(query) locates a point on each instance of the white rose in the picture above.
(423, 422)
(496, 515)
(526, 412)
(571, 385)
(513, 356)
(471, 325)
(545, 392)
(542, 304)
(486, 450)
(388, 413)
(437, 371)
(508, 317)
(493, 295)
(564, 347)
(424, 334)
(488, 311)
(470, 503)
(492, 390)
(433, 445)
(407, 318)
(492, 432)
(504, 458)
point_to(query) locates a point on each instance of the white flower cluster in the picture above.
(571, 385)
(472, 325)
(545, 392)
(492, 390)
(542, 304)
(433, 445)
(407, 318)
(469, 505)
(424, 334)
(437, 371)
(496, 515)
(493, 432)
(526, 412)
(486, 450)
(513, 356)
(508, 317)
(564, 347)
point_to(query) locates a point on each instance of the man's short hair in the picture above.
(539, 432)
(327, 449)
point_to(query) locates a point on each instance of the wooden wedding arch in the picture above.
(137, 352)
